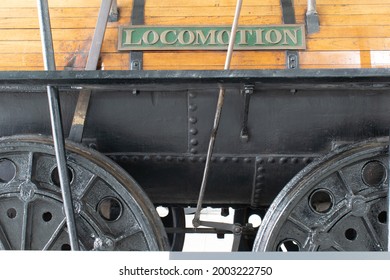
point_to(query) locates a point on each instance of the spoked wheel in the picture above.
(336, 204)
(111, 210)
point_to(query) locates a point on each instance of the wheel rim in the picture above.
(336, 204)
(111, 211)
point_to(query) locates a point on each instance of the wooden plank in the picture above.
(210, 67)
(168, 11)
(357, 20)
(344, 2)
(349, 44)
(336, 66)
(88, 23)
(152, 11)
(59, 3)
(58, 34)
(16, 47)
(212, 11)
(362, 31)
(212, 20)
(16, 23)
(57, 12)
(20, 68)
(208, 3)
(330, 58)
(214, 58)
(35, 60)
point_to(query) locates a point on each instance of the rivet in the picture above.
(124, 158)
(259, 177)
(146, 158)
(193, 151)
(222, 159)
(158, 158)
(194, 142)
(134, 159)
(193, 120)
(234, 159)
(202, 159)
(258, 191)
(213, 159)
(294, 160)
(168, 158)
(247, 160)
(307, 160)
(192, 159)
(259, 185)
(283, 160)
(271, 160)
(257, 195)
(259, 160)
(180, 159)
(260, 169)
(93, 146)
(193, 131)
(192, 94)
(192, 107)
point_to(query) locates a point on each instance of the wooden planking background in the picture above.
(353, 34)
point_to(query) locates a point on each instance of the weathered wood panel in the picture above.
(353, 34)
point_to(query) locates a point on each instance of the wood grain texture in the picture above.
(353, 34)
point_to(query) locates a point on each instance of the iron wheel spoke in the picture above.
(4, 242)
(371, 231)
(55, 235)
(25, 231)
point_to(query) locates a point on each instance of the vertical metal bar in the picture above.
(311, 6)
(217, 118)
(56, 122)
(114, 12)
(312, 20)
(77, 128)
(137, 18)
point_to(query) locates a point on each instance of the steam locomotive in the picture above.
(303, 138)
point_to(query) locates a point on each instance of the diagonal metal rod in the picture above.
(217, 117)
(56, 122)
(80, 114)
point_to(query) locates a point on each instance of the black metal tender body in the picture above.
(156, 124)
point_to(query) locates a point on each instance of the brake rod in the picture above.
(56, 122)
(221, 97)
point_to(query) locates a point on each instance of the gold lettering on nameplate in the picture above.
(287, 37)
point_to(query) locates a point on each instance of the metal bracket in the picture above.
(114, 12)
(137, 18)
(236, 229)
(292, 60)
(248, 91)
(312, 20)
(292, 57)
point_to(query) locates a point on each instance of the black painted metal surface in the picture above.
(156, 124)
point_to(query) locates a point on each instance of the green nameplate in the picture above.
(286, 37)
